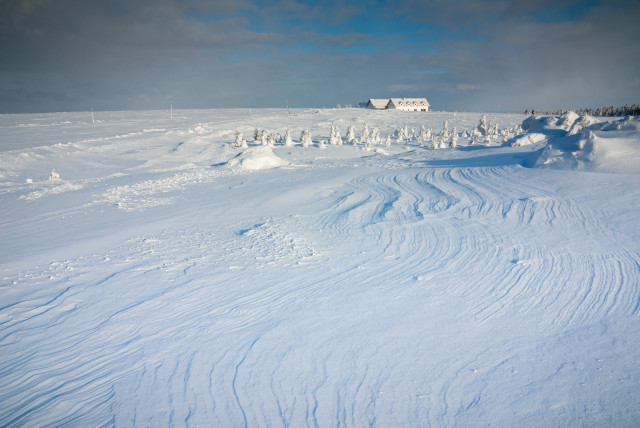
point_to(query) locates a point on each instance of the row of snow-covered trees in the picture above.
(484, 133)
(625, 110)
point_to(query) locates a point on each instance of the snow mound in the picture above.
(539, 124)
(255, 158)
(567, 120)
(528, 139)
(590, 150)
(581, 123)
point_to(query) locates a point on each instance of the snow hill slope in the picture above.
(149, 279)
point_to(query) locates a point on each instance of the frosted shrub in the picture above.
(387, 141)
(444, 134)
(453, 140)
(365, 134)
(423, 136)
(287, 138)
(351, 135)
(475, 136)
(374, 138)
(517, 130)
(401, 135)
(335, 138)
(482, 127)
(240, 141)
(492, 130)
(435, 142)
(272, 138)
(264, 138)
(305, 138)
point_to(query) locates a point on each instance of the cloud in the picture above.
(484, 55)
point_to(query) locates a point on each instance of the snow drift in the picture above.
(163, 278)
(256, 158)
(584, 143)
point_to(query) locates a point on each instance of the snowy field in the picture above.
(153, 274)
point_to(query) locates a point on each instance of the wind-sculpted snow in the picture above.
(420, 288)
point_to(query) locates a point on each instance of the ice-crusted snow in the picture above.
(165, 277)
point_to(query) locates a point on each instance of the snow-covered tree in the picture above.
(453, 140)
(287, 138)
(422, 135)
(256, 136)
(444, 134)
(476, 135)
(387, 140)
(492, 130)
(364, 138)
(335, 137)
(240, 141)
(272, 138)
(351, 135)
(482, 127)
(264, 138)
(401, 134)
(305, 138)
(435, 142)
(374, 137)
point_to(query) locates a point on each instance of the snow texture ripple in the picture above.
(151, 284)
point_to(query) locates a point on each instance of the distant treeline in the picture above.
(625, 110)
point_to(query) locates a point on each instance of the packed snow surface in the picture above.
(153, 274)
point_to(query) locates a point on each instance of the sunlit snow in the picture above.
(154, 274)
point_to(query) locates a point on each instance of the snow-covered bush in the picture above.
(350, 138)
(240, 141)
(364, 138)
(401, 134)
(476, 135)
(264, 138)
(492, 130)
(444, 134)
(305, 138)
(335, 138)
(387, 140)
(287, 138)
(453, 140)
(422, 135)
(374, 137)
(482, 127)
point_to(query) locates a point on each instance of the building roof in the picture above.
(409, 102)
(379, 103)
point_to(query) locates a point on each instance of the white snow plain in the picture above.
(152, 274)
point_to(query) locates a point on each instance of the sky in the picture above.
(480, 55)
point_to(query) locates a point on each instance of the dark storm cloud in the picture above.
(482, 55)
